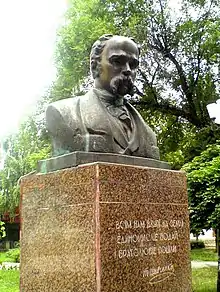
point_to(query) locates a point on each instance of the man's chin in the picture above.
(121, 86)
(122, 90)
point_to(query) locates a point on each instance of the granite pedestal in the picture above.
(105, 227)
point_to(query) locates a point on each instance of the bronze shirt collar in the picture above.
(109, 98)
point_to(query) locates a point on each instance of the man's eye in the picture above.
(116, 62)
(134, 64)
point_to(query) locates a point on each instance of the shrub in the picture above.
(14, 254)
(197, 244)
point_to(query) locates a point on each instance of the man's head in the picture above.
(114, 62)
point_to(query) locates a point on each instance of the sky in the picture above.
(214, 111)
(27, 32)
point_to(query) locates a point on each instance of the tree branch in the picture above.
(165, 107)
(154, 75)
(181, 73)
(164, 35)
(149, 85)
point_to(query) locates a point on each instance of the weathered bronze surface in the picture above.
(102, 120)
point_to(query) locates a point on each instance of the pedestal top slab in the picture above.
(80, 157)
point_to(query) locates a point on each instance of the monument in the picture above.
(102, 120)
(104, 214)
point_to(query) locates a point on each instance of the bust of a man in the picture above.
(103, 120)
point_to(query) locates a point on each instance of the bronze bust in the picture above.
(102, 120)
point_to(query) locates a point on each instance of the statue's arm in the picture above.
(154, 151)
(58, 130)
(69, 131)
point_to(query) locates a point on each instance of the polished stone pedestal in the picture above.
(105, 227)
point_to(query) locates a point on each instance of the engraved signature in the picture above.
(159, 274)
(160, 277)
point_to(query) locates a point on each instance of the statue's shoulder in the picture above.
(63, 104)
(68, 104)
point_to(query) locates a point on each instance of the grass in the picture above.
(9, 281)
(204, 280)
(204, 254)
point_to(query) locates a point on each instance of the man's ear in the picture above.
(95, 68)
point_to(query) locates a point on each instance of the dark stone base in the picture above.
(79, 157)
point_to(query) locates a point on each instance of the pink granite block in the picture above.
(105, 228)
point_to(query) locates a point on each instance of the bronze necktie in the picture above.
(124, 117)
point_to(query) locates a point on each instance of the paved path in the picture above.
(9, 266)
(201, 264)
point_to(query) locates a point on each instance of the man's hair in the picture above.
(96, 52)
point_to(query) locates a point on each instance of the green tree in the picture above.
(23, 150)
(203, 175)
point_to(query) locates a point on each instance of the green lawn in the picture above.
(204, 254)
(204, 280)
(9, 281)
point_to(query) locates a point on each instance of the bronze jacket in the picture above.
(83, 123)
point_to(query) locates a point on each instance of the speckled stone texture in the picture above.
(105, 228)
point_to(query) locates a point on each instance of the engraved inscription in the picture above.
(146, 237)
(138, 238)
(159, 274)
(146, 224)
(149, 238)
(146, 251)
(158, 270)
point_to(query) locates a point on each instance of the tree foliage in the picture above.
(203, 175)
(23, 150)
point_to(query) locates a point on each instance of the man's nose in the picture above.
(126, 70)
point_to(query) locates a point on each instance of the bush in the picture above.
(14, 254)
(197, 244)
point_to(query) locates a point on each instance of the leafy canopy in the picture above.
(203, 175)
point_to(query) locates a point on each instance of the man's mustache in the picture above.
(122, 85)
